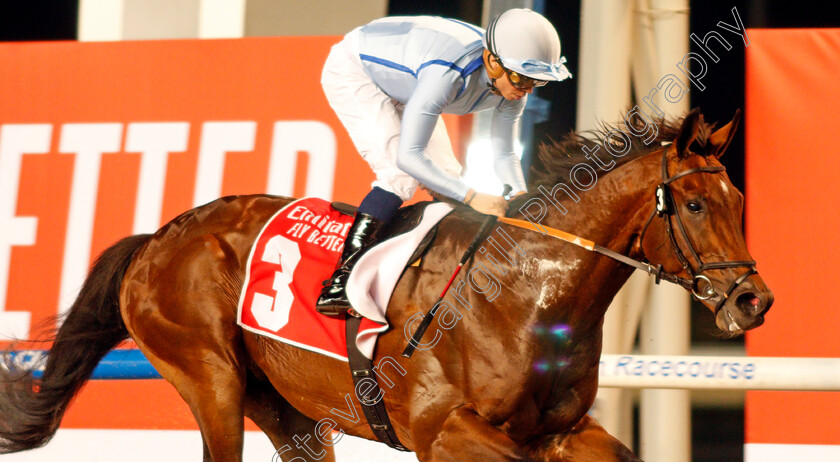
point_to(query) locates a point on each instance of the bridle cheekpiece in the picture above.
(699, 285)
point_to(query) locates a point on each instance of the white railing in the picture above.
(620, 371)
(720, 372)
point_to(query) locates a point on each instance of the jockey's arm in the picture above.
(420, 116)
(504, 130)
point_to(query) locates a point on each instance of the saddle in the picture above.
(406, 219)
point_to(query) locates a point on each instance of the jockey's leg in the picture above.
(376, 210)
(587, 441)
(374, 123)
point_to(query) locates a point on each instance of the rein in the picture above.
(657, 271)
(665, 210)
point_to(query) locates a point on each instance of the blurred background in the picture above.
(717, 423)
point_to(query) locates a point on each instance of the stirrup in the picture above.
(328, 310)
(337, 311)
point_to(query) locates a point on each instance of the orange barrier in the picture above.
(792, 220)
(102, 140)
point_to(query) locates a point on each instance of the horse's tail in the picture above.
(31, 409)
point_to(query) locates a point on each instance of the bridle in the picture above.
(666, 210)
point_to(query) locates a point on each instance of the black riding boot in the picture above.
(363, 234)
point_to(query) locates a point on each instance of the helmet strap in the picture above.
(492, 87)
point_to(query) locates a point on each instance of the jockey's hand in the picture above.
(487, 204)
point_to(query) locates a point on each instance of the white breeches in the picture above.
(374, 120)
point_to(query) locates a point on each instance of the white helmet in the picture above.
(526, 43)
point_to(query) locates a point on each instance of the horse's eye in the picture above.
(694, 207)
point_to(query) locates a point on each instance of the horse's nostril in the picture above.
(748, 302)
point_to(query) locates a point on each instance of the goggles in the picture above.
(522, 82)
(518, 80)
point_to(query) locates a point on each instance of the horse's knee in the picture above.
(305, 449)
(466, 436)
(586, 441)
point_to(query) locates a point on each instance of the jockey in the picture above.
(390, 80)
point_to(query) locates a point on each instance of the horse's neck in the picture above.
(611, 214)
(614, 211)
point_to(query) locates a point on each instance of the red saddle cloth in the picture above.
(294, 253)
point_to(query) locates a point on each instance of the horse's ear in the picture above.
(720, 139)
(688, 131)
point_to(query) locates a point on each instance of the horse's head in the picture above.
(696, 231)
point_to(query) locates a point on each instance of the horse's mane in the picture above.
(556, 158)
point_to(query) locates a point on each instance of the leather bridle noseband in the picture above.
(666, 210)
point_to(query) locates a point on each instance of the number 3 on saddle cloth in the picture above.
(297, 250)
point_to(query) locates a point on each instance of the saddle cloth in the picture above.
(296, 250)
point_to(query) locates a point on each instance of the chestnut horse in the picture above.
(513, 371)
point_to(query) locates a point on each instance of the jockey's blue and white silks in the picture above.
(424, 66)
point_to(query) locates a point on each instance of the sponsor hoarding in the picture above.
(792, 217)
(102, 140)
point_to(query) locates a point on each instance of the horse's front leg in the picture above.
(466, 436)
(585, 442)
